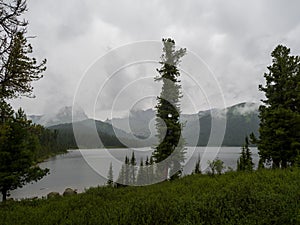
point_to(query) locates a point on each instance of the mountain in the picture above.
(89, 138)
(96, 134)
(140, 123)
(240, 120)
(63, 115)
(89, 133)
(138, 129)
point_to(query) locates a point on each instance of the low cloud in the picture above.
(235, 39)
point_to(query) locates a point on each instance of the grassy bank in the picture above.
(261, 197)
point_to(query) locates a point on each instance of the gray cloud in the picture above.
(235, 38)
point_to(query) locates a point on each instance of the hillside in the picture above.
(86, 135)
(241, 120)
(261, 197)
(138, 129)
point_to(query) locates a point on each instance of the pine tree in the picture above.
(280, 115)
(198, 166)
(20, 70)
(241, 162)
(147, 171)
(124, 174)
(127, 171)
(110, 176)
(151, 171)
(18, 146)
(121, 178)
(245, 162)
(132, 172)
(19, 143)
(170, 151)
(249, 161)
(11, 22)
(141, 177)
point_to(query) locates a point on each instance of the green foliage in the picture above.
(18, 147)
(245, 161)
(11, 23)
(216, 166)
(297, 160)
(261, 197)
(170, 150)
(17, 68)
(21, 143)
(48, 144)
(20, 70)
(280, 116)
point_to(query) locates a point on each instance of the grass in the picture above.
(261, 197)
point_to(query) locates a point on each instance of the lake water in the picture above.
(80, 169)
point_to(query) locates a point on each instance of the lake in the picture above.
(81, 169)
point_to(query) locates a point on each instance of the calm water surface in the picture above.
(88, 168)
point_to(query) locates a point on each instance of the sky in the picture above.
(230, 41)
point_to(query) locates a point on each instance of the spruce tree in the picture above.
(147, 171)
(241, 162)
(121, 178)
(11, 22)
(18, 146)
(245, 162)
(141, 177)
(151, 171)
(170, 151)
(20, 70)
(198, 166)
(18, 142)
(124, 174)
(110, 176)
(127, 171)
(279, 130)
(132, 175)
(249, 161)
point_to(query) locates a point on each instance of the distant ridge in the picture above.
(63, 115)
(138, 129)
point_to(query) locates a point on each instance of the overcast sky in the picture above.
(234, 38)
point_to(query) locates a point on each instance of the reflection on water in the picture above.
(78, 172)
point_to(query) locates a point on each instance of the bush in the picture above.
(215, 167)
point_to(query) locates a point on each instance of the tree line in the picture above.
(22, 144)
